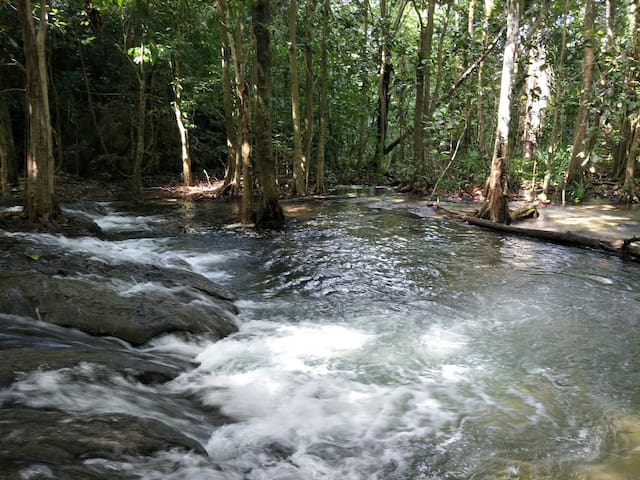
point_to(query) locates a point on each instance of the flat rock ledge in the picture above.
(130, 301)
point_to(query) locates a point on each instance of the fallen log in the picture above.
(622, 247)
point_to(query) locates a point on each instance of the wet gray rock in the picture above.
(52, 442)
(95, 307)
(17, 361)
(80, 292)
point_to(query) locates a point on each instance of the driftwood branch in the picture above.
(624, 248)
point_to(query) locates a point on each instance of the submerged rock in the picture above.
(56, 441)
(94, 306)
(17, 361)
(134, 302)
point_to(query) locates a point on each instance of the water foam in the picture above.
(301, 408)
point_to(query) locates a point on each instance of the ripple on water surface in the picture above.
(377, 345)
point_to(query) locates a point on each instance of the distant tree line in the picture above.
(289, 97)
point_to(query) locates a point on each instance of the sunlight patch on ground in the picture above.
(603, 221)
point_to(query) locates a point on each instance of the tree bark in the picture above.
(307, 140)
(579, 151)
(364, 89)
(496, 184)
(269, 213)
(423, 83)
(538, 92)
(136, 179)
(323, 113)
(631, 146)
(555, 136)
(629, 193)
(384, 75)
(488, 11)
(185, 157)
(6, 145)
(234, 20)
(234, 162)
(384, 79)
(299, 162)
(39, 203)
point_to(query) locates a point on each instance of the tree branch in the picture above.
(475, 64)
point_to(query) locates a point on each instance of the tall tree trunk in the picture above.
(384, 78)
(243, 107)
(364, 88)
(185, 157)
(423, 75)
(496, 184)
(299, 162)
(269, 211)
(233, 170)
(308, 91)
(435, 98)
(482, 142)
(579, 151)
(239, 127)
(136, 179)
(537, 91)
(322, 134)
(629, 192)
(39, 202)
(555, 136)
(6, 145)
(245, 153)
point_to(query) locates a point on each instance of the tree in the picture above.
(185, 156)
(537, 92)
(488, 12)
(323, 114)
(559, 74)
(385, 69)
(629, 192)
(231, 114)
(269, 210)
(237, 104)
(299, 160)
(39, 203)
(496, 183)
(579, 151)
(6, 145)
(307, 140)
(423, 84)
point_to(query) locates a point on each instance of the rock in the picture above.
(72, 225)
(27, 359)
(59, 440)
(92, 306)
(79, 291)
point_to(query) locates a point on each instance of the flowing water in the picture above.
(375, 344)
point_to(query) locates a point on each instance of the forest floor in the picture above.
(600, 215)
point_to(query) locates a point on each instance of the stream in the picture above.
(373, 344)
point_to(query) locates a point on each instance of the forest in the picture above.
(266, 240)
(483, 99)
